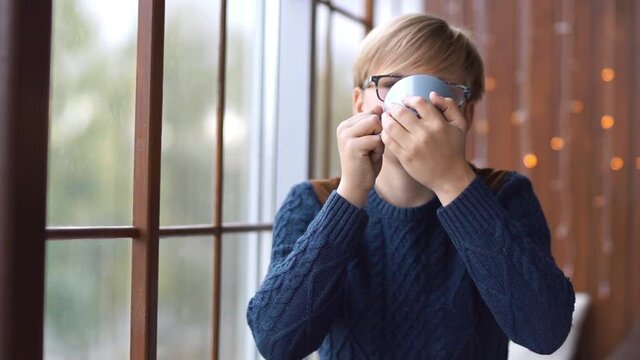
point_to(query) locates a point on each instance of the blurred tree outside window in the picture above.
(87, 311)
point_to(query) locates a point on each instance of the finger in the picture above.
(425, 109)
(376, 154)
(392, 145)
(352, 121)
(377, 110)
(405, 117)
(449, 109)
(367, 144)
(394, 129)
(369, 125)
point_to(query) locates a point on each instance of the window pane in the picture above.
(245, 258)
(322, 129)
(355, 7)
(385, 10)
(334, 85)
(244, 123)
(346, 37)
(184, 298)
(87, 312)
(189, 111)
(92, 112)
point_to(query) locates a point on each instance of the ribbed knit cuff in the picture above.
(474, 217)
(341, 222)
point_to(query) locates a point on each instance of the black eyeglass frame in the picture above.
(466, 91)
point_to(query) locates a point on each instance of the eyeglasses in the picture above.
(461, 93)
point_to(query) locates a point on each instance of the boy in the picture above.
(412, 253)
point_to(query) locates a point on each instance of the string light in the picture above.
(516, 118)
(616, 163)
(481, 29)
(530, 161)
(556, 143)
(577, 106)
(565, 28)
(482, 127)
(521, 117)
(490, 84)
(608, 74)
(599, 201)
(607, 121)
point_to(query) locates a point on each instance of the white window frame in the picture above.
(281, 148)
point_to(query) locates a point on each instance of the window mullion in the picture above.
(146, 185)
(218, 182)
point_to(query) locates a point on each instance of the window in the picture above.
(167, 110)
(88, 282)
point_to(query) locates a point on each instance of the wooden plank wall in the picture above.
(544, 69)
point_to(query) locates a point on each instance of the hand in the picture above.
(430, 148)
(360, 149)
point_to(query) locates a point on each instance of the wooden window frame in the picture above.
(25, 48)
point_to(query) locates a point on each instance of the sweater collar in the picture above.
(378, 205)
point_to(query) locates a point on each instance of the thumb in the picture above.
(449, 109)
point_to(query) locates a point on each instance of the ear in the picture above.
(358, 100)
(469, 113)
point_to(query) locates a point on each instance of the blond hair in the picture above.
(419, 40)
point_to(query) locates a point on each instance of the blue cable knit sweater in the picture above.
(428, 282)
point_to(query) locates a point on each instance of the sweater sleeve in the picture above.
(294, 307)
(504, 240)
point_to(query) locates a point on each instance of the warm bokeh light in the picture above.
(608, 74)
(482, 127)
(638, 163)
(516, 118)
(577, 106)
(556, 143)
(530, 161)
(490, 83)
(616, 163)
(599, 201)
(607, 121)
